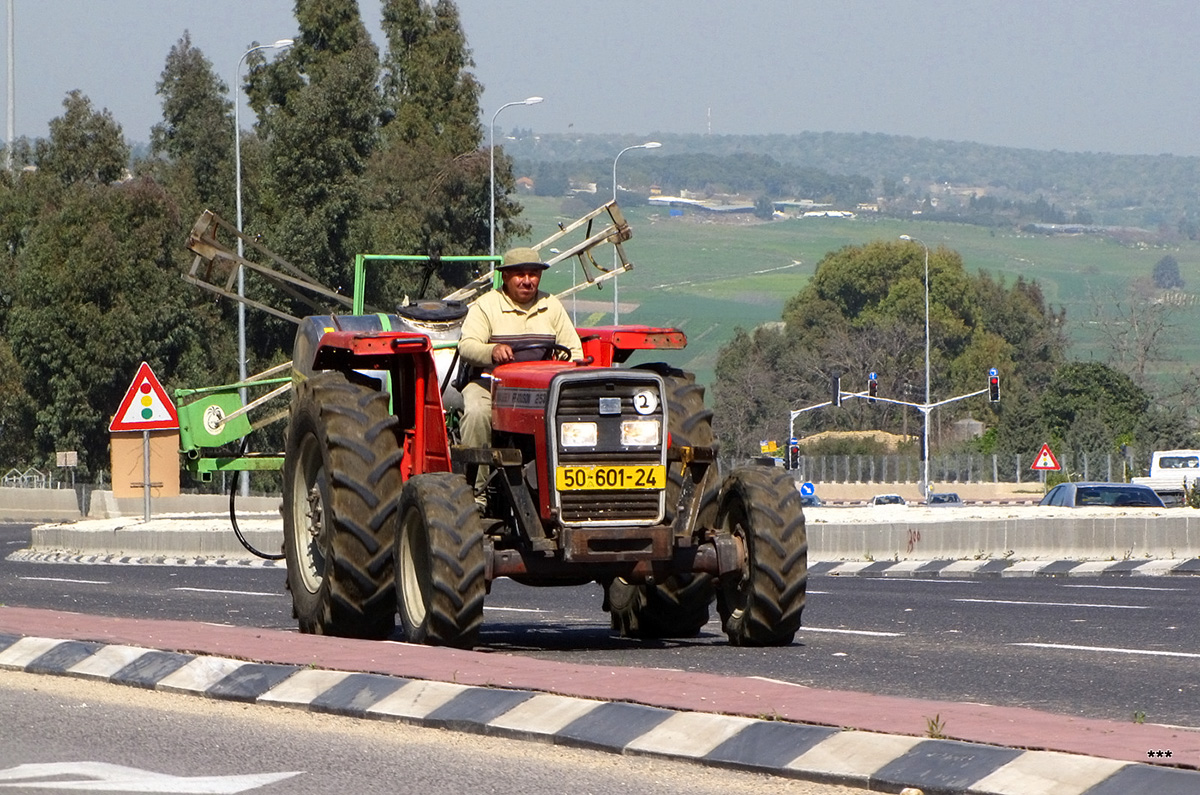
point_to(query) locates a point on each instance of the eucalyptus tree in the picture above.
(195, 138)
(318, 108)
(428, 181)
(85, 146)
(96, 288)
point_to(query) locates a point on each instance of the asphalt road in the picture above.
(1117, 648)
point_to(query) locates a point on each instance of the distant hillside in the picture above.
(1155, 192)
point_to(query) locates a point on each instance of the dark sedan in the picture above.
(1102, 495)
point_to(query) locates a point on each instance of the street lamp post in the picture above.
(237, 167)
(616, 262)
(492, 169)
(925, 410)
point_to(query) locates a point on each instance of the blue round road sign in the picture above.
(807, 489)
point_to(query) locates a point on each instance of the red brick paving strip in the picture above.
(1015, 727)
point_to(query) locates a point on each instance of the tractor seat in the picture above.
(431, 310)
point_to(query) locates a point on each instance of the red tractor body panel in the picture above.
(607, 345)
(407, 359)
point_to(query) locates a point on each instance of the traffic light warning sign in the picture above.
(145, 406)
(1045, 459)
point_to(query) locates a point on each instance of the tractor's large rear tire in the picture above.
(440, 565)
(341, 489)
(761, 606)
(678, 606)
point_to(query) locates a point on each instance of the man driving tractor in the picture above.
(514, 323)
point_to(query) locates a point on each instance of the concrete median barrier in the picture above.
(1017, 532)
(198, 526)
(80, 503)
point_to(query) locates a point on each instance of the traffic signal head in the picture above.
(872, 387)
(994, 388)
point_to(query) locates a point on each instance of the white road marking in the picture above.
(105, 777)
(514, 609)
(1124, 587)
(1052, 604)
(854, 632)
(930, 580)
(65, 579)
(1111, 650)
(233, 593)
(778, 681)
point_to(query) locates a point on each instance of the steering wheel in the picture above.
(550, 350)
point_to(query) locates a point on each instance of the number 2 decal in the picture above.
(645, 401)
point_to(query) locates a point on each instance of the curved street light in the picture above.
(492, 168)
(237, 166)
(925, 411)
(647, 145)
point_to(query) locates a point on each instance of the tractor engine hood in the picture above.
(519, 394)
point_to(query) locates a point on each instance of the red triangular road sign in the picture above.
(145, 406)
(1045, 459)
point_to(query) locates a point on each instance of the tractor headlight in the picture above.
(640, 433)
(578, 434)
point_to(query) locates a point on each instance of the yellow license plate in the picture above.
(625, 478)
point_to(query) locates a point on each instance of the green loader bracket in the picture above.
(215, 418)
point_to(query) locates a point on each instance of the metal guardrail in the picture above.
(31, 478)
(955, 468)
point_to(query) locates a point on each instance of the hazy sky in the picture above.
(1101, 75)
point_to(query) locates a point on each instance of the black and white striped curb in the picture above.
(119, 559)
(857, 568)
(1005, 568)
(856, 758)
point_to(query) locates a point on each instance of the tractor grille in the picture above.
(579, 401)
(606, 506)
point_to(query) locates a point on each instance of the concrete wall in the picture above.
(199, 525)
(1108, 538)
(39, 505)
(63, 505)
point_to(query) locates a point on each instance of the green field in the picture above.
(709, 277)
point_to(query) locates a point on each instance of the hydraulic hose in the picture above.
(233, 489)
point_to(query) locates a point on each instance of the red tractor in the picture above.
(598, 472)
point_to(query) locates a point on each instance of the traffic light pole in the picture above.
(924, 408)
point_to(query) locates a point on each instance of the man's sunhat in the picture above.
(522, 258)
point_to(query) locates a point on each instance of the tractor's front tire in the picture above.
(341, 488)
(440, 565)
(761, 605)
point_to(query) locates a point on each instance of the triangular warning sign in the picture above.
(145, 406)
(1045, 459)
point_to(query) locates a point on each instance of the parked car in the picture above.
(887, 499)
(1107, 495)
(946, 498)
(810, 501)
